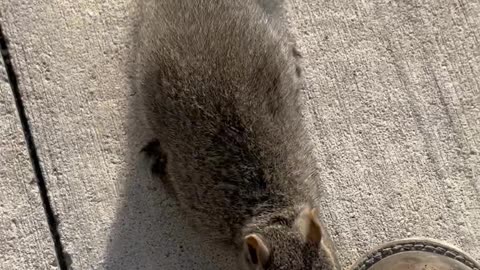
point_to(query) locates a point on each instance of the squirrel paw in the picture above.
(154, 152)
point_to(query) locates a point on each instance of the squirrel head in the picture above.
(293, 245)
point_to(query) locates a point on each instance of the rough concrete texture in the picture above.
(394, 101)
(393, 104)
(25, 241)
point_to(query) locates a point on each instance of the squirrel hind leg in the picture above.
(158, 158)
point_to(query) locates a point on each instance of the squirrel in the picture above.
(220, 87)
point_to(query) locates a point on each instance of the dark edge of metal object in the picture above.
(414, 244)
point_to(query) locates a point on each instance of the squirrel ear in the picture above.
(258, 253)
(309, 225)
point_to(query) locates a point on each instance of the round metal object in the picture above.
(416, 254)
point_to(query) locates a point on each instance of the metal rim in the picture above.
(414, 244)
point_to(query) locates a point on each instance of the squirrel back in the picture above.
(220, 89)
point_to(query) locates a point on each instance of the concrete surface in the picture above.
(393, 104)
(25, 241)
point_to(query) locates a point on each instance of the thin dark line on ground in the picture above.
(49, 212)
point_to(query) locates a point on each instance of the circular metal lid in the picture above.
(416, 254)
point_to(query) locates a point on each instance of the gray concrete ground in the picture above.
(393, 104)
(25, 241)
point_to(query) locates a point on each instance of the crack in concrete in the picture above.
(49, 212)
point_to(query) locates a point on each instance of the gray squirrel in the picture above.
(219, 82)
